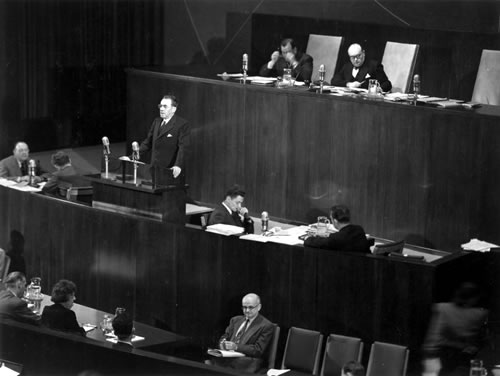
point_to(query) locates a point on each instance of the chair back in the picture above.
(273, 348)
(4, 268)
(324, 49)
(302, 350)
(338, 351)
(486, 88)
(387, 359)
(399, 62)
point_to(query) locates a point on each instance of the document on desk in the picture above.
(223, 229)
(112, 338)
(277, 372)
(225, 353)
(289, 236)
(6, 371)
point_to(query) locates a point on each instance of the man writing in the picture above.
(358, 71)
(168, 138)
(11, 305)
(301, 64)
(249, 334)
(348, 238)
(62, 164)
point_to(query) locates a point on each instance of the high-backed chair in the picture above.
(273, 348)
(486, 88)
(324, 49)
(338, 351)
(387, 359)
(302, 351)
(4, 267)
(399, 62)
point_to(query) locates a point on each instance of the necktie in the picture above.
(241, 332)
(24, 168)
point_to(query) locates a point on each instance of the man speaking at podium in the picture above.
(168, 138)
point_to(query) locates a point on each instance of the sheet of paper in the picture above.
(223, 229)
(277, 372)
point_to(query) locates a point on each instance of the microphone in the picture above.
(245, 63)
(264, 218)
(31, 171)
(135, 148)
(105, 144)
(416, 88)
(322, 72)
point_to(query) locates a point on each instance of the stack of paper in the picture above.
(478, 246)
(223, 229)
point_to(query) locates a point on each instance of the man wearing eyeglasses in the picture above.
(356, 73)
(168, 138)
(250, 334)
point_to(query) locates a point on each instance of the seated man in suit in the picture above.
(356, 73)
(59, 315)
(348, 238)
(300, 63)
(250, 334)
(62, 164)
(230, 211)
(12, 307)
(123, 327)
(15, 167)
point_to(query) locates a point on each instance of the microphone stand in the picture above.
(136, 166)
(106, 165)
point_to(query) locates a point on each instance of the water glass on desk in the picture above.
(322, 226)
(476, 368)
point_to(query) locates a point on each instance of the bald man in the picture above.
(356, 73)
(15, 167)
(250, 334)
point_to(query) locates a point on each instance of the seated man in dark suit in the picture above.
(358, 71)
(123, 327)
(348, 238)
(12, 307)
(59, 316)
(62, 164)
(15, 167)
(230, 211)
(300, 63)
(250, 334)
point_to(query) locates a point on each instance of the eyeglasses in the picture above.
(357, 57)
(249, 307)
(162, 106)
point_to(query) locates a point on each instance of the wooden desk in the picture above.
(427, 175)
(152, 336)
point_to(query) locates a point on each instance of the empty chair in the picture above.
(324, 49)
(486, 88)
(302, 351)
(399, 62)
(387, 359)
(273, 347)
(338, 351)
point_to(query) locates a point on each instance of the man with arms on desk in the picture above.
(300, 63)
(230, 211)
(356, 73)
(348, 238)
(249, 334)
(62, 164)
(15, 167)
(11, 305)
(168, 138)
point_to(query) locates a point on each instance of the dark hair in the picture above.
(467, 294)
(62, 290)
(354, 368)
(235, 191)
(172, 98)
(341, 213)
(13, 277)
(123, 325)
(60, 159)
(285, 41)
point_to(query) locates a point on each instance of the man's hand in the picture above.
(274, 58)
(290, 58)
(176, 171)
(230, 345)
(243, 211)
(353, 85)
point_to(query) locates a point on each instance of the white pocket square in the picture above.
(169, 135)
(367, 75)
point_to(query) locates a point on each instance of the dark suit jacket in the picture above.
(370, 69)
(123, 346)
(253, 343)
(14, 308)
(221, 215)
(60, 318)
(349, 238)
(302, 72)
(9, 168)
(53, 183)
(168, 144)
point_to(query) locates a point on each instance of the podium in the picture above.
(150, 192)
